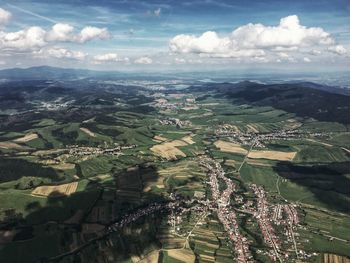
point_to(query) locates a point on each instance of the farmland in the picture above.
(120, 173)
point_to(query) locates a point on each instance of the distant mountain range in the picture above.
(47, 72)
(304, 99)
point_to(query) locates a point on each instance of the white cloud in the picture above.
(5, 16)
(289, 33)
(157, 12)
(57, 52)
(143, 60)
(35, 37)
(306, 59)
(315, 52)
(180, 60)
(109, 57)
(338, 49)
(283, 55)
(64, 32)
(254, 40)
(88, 33)
(30, 38)
(61, 32)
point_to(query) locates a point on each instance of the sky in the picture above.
(187, 35)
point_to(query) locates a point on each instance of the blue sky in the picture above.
(158, 35)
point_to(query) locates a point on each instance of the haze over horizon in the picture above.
(176, 35)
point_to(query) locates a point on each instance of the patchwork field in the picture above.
(170, 150)
(112, 141)
(272, 155)
(88, 132)
(184, 255)
(56, 190)
(12, 145)
(27, 138)
(331, 258)
(230, 147)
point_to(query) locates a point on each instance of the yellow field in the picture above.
(11, 145)
(195, 107)
(159, 183)
(184, 255)
(323, 143)
(182, 169)
(28, 137)
(88, 132)
(188, 140)
(331, 258)
(272, 155)
(258, 163)
(56, 190)
(159, 138)
(64, 166)
(48, 152)
(292, 124)
(169, 150)
(230, 147)
(231, 163)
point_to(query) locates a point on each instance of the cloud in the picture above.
(157, 12)
(35, 37)
(109, 57)
(5, 16)
(315, 52)
(306, 59)
(64, 32)
(88, 33)
(28, 39)
(61, 32)
(338, 49)
(283, 55)
(180, 60)
(57, 52)
(289, 33)
(254, 40)
(143, 60)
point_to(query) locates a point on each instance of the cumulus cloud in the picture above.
(306, 59)
(57, 52)
(283, 55)
(33, 38)
(64, 32)
(254, 40)
(5, 16)
(61, 32)
(88, 33)
(109, 57)
(30, 38)
(315, 52)
(143, 60)
(338, 49)
(180, 60)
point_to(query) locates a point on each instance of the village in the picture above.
(76, 150)
(245, 138)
